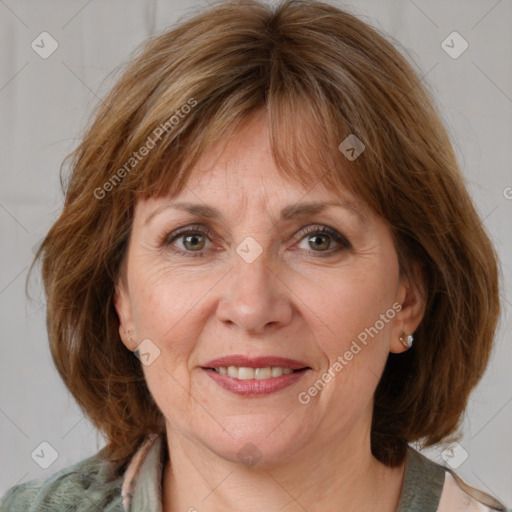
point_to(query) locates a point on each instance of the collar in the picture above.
(142, 482)
(427, 486)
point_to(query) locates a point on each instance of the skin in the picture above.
(290, 302)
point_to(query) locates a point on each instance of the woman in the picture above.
(268, 277)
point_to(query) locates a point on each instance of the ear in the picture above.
(122, 305)
(412, 298)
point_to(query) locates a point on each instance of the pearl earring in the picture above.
(406, 339)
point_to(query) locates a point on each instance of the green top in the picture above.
(422, 485)
(87, 487)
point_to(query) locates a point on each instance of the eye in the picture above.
(320, 239)
(192, 240)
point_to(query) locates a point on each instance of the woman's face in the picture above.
(236, 279)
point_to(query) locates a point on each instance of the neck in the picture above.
(327, 476)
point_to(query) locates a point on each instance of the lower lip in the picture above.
(255, 387)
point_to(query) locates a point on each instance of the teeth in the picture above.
(262, 373)
(245, 373)
(277, 371)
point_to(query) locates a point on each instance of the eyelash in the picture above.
(204, 230)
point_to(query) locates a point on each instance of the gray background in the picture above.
(45, 103)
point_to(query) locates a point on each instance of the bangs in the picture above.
(304, 131)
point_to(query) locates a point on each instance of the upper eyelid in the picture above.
(300, 233)
(205, 229)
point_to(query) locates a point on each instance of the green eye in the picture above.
(320, 239)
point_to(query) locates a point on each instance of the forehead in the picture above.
(240, 173)
(244, 161)
(236, 192)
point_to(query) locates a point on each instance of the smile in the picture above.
(254, 382)
(246, 373)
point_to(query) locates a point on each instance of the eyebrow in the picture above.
(287, 213)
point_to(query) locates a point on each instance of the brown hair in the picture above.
(321, 74)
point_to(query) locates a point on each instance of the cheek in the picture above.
(353, 340)
(162, 299)
(355, 317)
(163, 313)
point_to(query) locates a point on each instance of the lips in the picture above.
(257, 385)
(256, 362)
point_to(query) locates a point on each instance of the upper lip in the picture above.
(256, 362)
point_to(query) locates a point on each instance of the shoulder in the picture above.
(457, 495)
(429, 486)
(87, 485)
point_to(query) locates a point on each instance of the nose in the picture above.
(255, 298)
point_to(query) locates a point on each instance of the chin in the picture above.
(255, 444)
